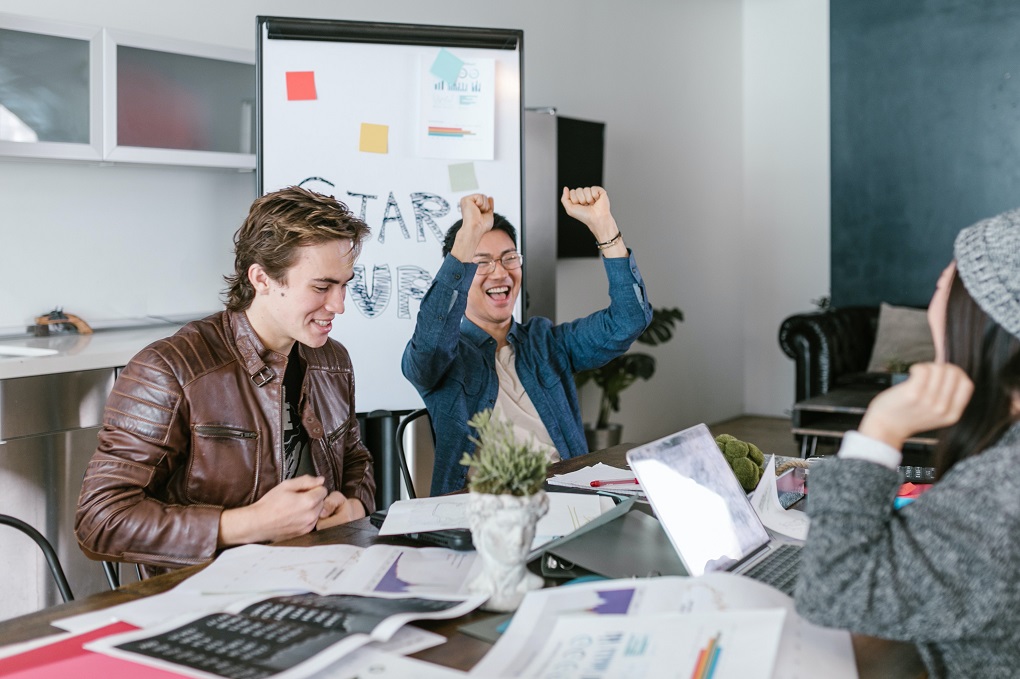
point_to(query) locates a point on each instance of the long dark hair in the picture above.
(990, 355)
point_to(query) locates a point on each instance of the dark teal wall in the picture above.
(925, 116)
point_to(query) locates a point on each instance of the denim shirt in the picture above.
(452, 362)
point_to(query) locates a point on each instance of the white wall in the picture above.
(115, 242)
(673, 169)
(675, 81)
(785, 235)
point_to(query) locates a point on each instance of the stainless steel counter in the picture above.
(52, 394)
(30, 356)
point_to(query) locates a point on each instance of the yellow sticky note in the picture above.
(374, 138)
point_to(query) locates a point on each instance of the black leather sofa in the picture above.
(830, 347)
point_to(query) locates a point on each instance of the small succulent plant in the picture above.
(502, 465)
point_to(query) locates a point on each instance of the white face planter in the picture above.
(503, 528)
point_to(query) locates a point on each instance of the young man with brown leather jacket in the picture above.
(240, 428)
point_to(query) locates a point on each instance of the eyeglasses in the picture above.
(510, 261)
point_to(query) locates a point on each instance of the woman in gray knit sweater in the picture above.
(944, 571)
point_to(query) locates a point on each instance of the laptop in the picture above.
(706, 514)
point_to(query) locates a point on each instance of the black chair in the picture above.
(47, 549)
(112, 571)
(405, 469)
(112, 574)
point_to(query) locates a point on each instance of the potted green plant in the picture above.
(620, 373)
(505, 480)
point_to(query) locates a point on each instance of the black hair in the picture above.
(499, 222)
(990, 355)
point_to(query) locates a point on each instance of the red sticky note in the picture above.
(300, 85)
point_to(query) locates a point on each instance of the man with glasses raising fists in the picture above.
(468, 354)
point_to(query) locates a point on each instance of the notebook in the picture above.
(704, 511)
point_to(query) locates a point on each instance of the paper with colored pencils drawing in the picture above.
(663, 645)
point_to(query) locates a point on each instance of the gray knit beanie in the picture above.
(988, 261)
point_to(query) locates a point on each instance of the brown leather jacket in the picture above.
(193, 426)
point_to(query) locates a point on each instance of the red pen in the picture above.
(607, 482)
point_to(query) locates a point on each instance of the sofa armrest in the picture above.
(827, 345)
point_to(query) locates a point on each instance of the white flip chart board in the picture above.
(399, 122)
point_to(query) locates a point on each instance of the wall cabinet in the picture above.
(82, 93)
(50, 90)
(177, 103)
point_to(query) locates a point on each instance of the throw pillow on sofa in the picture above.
(902, 338)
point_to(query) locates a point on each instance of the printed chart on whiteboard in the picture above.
(399, 122)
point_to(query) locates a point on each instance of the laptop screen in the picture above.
(699, 501)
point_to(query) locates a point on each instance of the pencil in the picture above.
(699, 664)
(714, 661)
(705, 665)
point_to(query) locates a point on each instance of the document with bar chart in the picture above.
(457, 115)
(717, 645)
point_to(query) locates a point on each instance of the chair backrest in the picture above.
(112, 571)
(422, 458)
(47, 549)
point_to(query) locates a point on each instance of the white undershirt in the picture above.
(857, 446)
(514, 404)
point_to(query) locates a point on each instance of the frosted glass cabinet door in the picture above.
(179, 103)
(49, 89)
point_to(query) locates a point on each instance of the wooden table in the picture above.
(876, 658)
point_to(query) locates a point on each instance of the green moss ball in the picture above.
(754, 452)
(747, 473)
(735, 449)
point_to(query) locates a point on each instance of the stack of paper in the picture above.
(607, 479)
(290, 636)
(567, 512)
(765, 499)
(666, 627)
(261, 611)
(67, 656)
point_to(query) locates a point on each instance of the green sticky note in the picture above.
(462, 177)
(447, 67)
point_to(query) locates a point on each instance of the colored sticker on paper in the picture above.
(301, 86)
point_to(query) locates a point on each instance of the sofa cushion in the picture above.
(902, 338)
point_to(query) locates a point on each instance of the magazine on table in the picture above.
(379, 570)
(285, 637)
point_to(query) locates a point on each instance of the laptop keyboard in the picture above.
(779, 569)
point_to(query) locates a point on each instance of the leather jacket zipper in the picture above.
(331, 439)
(217, 430)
